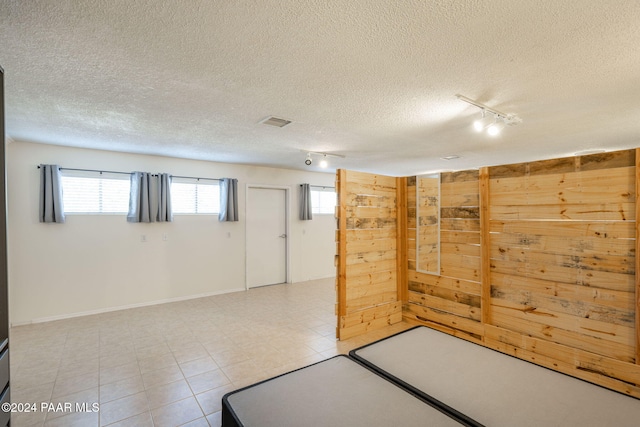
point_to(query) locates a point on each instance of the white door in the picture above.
(266, 236)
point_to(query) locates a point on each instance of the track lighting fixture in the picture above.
(324, 163)
(493, 121)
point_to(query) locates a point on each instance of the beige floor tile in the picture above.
(28, 419)
(126, 356)
(200, 422)
(123, 408)
(215, 419)
(69, 385)
(168, 393)
(211, 401)
(162, 376)
(60, 406)
(198, 366)
(111, 374)
(152, 350)
(172, 363)
(190, 352)
(177, 413)
(153, 363)
(76, 366)
(141, 420)
(122, 388)
(37, 394)
(241, 370)
(75, 419)
(207, 381)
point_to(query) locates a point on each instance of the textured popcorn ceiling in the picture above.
(374, 81)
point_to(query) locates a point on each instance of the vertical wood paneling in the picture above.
(449, 301)
(403, 290)
(637, 259)
(485, 245)
(341, 255)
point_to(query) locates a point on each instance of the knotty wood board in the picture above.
(368, 251)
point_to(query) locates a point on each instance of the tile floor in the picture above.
(170, 364)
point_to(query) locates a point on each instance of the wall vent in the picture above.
(275, 121)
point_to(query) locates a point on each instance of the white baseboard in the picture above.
(122, 307)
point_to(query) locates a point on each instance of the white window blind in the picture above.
(323, 200)
(92, 192)
(194, 196)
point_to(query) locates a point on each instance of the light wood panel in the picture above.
(451, 300)
(538, 260)
(368, 247)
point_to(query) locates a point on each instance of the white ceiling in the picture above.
(374, 81)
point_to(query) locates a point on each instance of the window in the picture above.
(194, 196)
(90, 192)
(323, 200)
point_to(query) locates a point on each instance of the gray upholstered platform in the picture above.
(493, 388)
(334, 392)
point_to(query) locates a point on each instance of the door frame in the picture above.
(287, 204)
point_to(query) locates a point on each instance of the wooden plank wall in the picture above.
(449, 301)
(538, 260)
(367, 252)
(562, 259)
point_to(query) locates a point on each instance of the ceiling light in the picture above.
(452, 157)
(496, 127)
(500, 120)
(323, 163)
(480, 124)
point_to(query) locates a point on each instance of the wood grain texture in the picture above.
(401, 265)
(637, 260)
(485, 245)
(368, 243)
(538, 260)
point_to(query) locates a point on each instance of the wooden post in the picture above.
(401, 236)
(637, 260)
(341, 279)
(485, 247)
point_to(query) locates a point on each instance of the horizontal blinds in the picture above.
(323, 200)
(92, 192)
(193, 196)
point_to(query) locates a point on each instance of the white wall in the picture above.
(97, 263)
